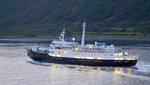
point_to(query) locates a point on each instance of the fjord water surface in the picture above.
(17, 69)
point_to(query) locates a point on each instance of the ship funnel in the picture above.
(83, 34)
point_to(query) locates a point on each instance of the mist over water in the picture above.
(16, 68)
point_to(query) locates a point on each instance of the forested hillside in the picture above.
(32, 18)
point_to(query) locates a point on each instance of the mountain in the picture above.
(47, 17)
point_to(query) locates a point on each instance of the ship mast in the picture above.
(83, 34)
(62, 35)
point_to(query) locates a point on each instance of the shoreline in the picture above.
(69, 38)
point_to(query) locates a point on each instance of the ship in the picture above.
(61, 51)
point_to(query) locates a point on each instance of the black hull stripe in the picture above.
(44, 57)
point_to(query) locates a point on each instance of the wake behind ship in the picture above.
(71, 52)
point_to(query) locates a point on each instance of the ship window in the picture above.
(52, 51)
(72, 52)
(62, 52)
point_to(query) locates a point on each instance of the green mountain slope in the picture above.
(48, 17)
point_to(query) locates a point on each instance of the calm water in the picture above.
(17, 69)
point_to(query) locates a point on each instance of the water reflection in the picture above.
(121, 71)
(80, 68)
